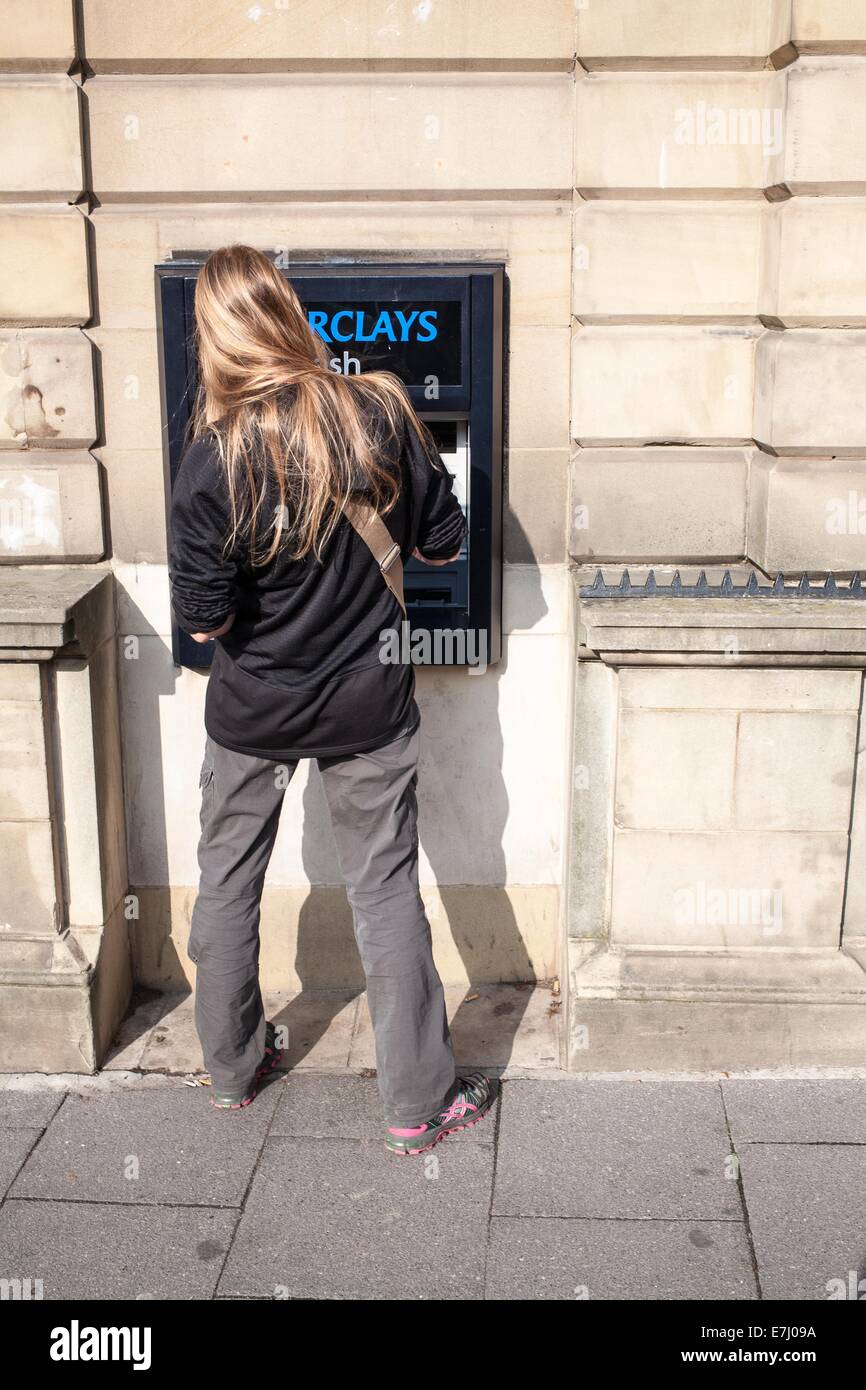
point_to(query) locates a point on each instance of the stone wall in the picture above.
(678, 191)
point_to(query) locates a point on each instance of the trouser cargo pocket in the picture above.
(207, 790)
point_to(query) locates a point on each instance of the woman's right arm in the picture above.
(439, 526)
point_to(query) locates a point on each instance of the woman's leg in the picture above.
(241, 801)
(371, 797)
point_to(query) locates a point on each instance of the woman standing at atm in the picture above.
(296, 502)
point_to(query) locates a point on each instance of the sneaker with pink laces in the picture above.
(471, 1101)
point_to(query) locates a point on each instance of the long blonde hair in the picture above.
(317, 442)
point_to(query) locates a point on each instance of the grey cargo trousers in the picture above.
(371, 798)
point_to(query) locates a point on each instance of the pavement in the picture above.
(629, 1187)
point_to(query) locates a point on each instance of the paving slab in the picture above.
(171, 1045)
(148, 1146)
(28, 1109)
(347, 1107)
(807, 1215)
(542, 1259)
(507, 1027)
(319, 1024)
(130, 1042)
(629, 1149)
(83, 1250)
(15, 1145)
(792, 1111)
(341, 1219)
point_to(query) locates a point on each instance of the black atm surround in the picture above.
(466, 596)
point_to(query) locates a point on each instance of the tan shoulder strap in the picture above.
(382, 546)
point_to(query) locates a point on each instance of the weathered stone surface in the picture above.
(39, 118)
(434, 134)
(727, 890)
(50, 508)
(28, 887)
(47, 386)
(694, 688)
(536, 506)
(535, 600)
(821, 273)
(20, 681)
(130, 386)
(590, 827)
(90, 784)
(807, 391)
(677, 504)
(795, 771)
(122, 34)
(662, 385)
(532, 235)
(661, 133)
(136, 489)
(37, 37)
(854, 927)
(734, 768)
(538, 388)
(722, 1011)
(742, 33)
(688, 754)
(798, 632)
(671, 262)
(23, 769)
(43, 267)
(822, 26)
(50, 607)
(825, 144)
(668, 1035)
(747, 977)
(807, 514)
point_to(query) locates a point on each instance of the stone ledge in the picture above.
(31, 959)
(827, 632)
(46, 609)
(702, 1012)
(770, 975)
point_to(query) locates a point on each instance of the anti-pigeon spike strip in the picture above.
(753, 588)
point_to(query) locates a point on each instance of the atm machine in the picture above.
(441, 329)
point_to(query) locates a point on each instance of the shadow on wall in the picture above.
(463, 810)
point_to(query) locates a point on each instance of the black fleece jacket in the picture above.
(298, 673)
